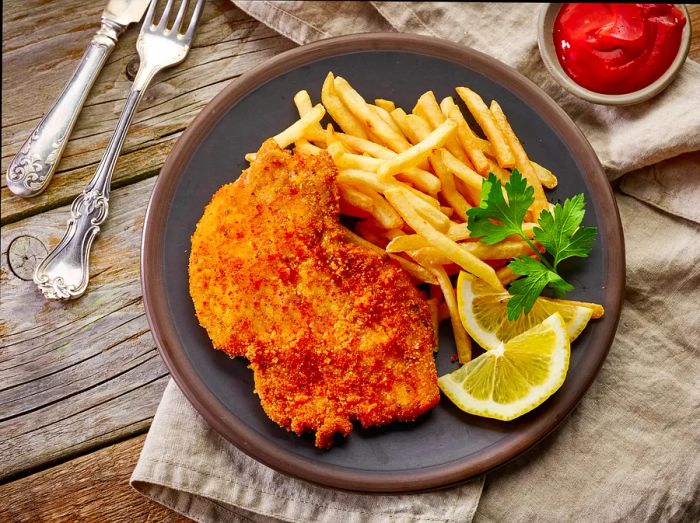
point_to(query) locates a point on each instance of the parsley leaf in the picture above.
(493, 206)
(561, 232)
(525, 290)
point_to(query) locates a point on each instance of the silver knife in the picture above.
(31, 169)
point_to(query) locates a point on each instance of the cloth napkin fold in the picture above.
(630, 450)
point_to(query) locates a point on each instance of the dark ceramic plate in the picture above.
(445, 446)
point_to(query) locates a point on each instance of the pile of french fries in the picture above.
(411, 178)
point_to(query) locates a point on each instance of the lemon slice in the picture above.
(514, 378)
(483, 311)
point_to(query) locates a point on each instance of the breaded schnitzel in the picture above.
(334, 332)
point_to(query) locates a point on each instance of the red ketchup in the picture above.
(617, 48)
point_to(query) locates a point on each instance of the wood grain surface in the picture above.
(94, 487)
(80, 381)
(227, 44)
(79, 374)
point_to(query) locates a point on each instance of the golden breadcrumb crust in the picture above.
(334, 332)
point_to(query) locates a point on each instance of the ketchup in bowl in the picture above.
(617, 48)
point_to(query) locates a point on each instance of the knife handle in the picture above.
(31, 169)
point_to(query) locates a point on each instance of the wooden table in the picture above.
(80, 381)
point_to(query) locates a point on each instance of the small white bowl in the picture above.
(545, 40)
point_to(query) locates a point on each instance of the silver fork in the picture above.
(65, 272)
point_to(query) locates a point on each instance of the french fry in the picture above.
(504, 250)
(373, 122)
(356, 198)
(364, 146)
(428, 108)
(506, 275)
(416, 271)
(355, 161)
(305, 147)
(458, 232)
(401, 119)
(355, 143)
(303, 102)
(337, 152)
(528, 229)
(341, 114)
(393, 233)
(465, 135)
(424, 180)
(484, 118)
(461, 171)
(449, 189)
(432, 215)
(462, 341)
(598, 310)
(447, 211)
(544, 175)
(420, 129)
(250, 157)
(425, 197)
(502, 174)
(472, 195)
(449, 247)
(522, 162)
(387, 105)
(361, 180)
(368, 181)
(304, 105)
(384, 115)
(416, 153)
(384, 213)
(407, 242)
(297, 129)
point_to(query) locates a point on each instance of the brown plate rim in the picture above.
(266, 452)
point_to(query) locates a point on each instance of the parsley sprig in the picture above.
(559, 232)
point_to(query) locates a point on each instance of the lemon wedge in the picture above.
(482, 310)
(515, 377)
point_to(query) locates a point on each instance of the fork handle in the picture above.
(31, 169)
(65, 272)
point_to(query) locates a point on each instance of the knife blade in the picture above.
(125, 12)
(31, 169)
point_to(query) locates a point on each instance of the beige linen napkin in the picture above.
(630, 450)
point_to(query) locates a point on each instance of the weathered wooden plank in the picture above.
(227, 44)
(694, 12)
(94, 487)
(76, 375)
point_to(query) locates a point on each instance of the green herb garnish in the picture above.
(560, 233)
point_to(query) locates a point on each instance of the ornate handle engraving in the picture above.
(31, 169)
(65, 272)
